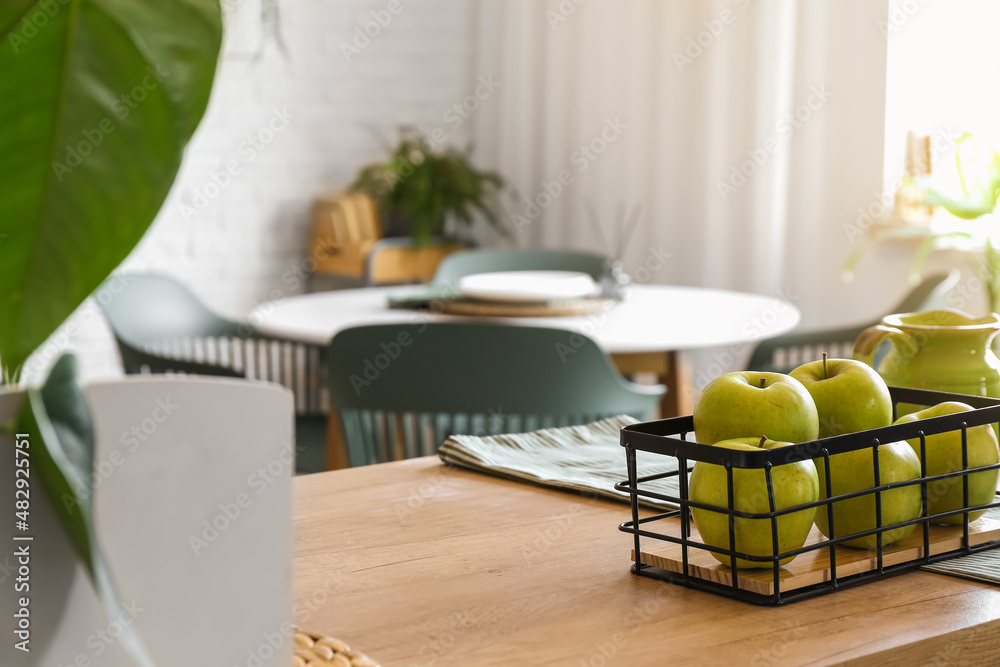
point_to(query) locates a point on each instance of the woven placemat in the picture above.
(549, 309)
(314, 650)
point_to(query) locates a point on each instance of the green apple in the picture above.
(750, 404)
(853, 471)
(944, 454)
(793, 484)
(849, 395)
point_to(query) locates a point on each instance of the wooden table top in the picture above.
(417, 563)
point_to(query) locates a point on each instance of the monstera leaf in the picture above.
(99, 98)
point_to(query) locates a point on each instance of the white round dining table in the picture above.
(642, 332)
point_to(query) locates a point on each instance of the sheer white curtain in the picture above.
(748, 131)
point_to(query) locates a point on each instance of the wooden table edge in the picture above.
(974, 644)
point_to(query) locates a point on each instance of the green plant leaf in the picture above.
(426, 187)
(99, 99)
(64, 462)
(978, 169)
(966, 209)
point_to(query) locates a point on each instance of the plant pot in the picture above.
(200, 543)
(395, 225)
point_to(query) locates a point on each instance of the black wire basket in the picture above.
(673, 553)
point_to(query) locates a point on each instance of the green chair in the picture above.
(460, 264)
(161, 327)
(783, 353)
(401, 389)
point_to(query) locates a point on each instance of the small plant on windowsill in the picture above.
(968, 194)
(419, 191)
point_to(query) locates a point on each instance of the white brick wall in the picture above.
(235, 250)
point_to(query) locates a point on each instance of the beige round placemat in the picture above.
(313, 650)
(552, 309)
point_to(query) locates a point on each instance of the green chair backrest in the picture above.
(146, 307)
(784, 353)
(401, 389)
(460, 264)
(160, 326)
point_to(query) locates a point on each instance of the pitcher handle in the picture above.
(871, 338)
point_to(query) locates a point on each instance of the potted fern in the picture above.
(425, 193)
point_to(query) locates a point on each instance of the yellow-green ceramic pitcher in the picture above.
(945, 350)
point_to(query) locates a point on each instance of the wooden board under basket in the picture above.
(569, 308)
(812, 567)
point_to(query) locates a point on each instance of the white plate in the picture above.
(527, 286)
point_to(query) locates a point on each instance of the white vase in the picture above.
(193, 507)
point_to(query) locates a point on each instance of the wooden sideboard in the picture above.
(349, 251)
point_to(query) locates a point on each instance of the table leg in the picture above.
(670, 370)
(679, 399)
(336, 446)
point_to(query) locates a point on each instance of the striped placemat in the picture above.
(587, 459)
(982, 566)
